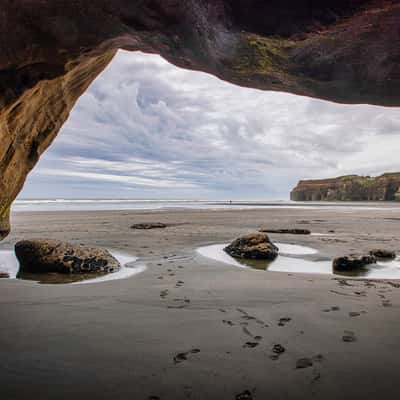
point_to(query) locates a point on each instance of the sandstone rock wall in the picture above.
(349, 188)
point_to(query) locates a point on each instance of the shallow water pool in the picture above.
(129, 268)
(293, 259)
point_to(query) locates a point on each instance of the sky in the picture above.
(146, 129)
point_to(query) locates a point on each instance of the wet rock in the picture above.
(293, 231)
(255, 246)
(4, 275)
(149, 225)
(382, 253)
(44, 256)
(352, 262)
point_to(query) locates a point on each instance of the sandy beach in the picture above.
(185, 328)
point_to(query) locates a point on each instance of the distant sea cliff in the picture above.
(385, 187)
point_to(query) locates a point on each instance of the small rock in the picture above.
(149, 225)
(254, 246)
(382, 253)
(352, 262)
(293, 231)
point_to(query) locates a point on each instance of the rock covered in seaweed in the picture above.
(149, 225)
(256, 246)
(44, 256)
(291, 231)
(383, 253)
(352, 262)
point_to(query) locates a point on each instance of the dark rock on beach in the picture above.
(44, 256)
(352, 262)
(4, 275)
(255, 246)
(149, 225)
(293, 231)
(382, 253)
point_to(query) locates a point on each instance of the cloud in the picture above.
(148, 129)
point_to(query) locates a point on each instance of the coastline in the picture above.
(118, 339)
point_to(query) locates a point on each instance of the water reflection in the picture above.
(302, 259)
(129, 267)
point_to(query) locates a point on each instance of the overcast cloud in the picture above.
(146, 129)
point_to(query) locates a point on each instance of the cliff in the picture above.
(349, 188)
(51, 50)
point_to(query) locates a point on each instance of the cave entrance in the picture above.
(146, 129)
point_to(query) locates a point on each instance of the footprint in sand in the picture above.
(386, 303)
(246, 395)
(183, 303)
(333, 308)
(246, 331)
(180, 357)
(277, 350)
(354, 314)
(349, 337)
(227, 322)
(307, 362)
(164, 293)
(304, 363)
(283, 321)
(250, 345)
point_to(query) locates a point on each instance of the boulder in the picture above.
(4, 275)
(149, 225)
(382, 253)
(292, 231)
(352, 262)
(255, 246)
(43, 256)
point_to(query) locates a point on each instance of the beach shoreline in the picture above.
(125, 338)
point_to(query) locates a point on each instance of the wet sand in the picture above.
(193, 328)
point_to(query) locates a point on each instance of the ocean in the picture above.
(30, 205)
